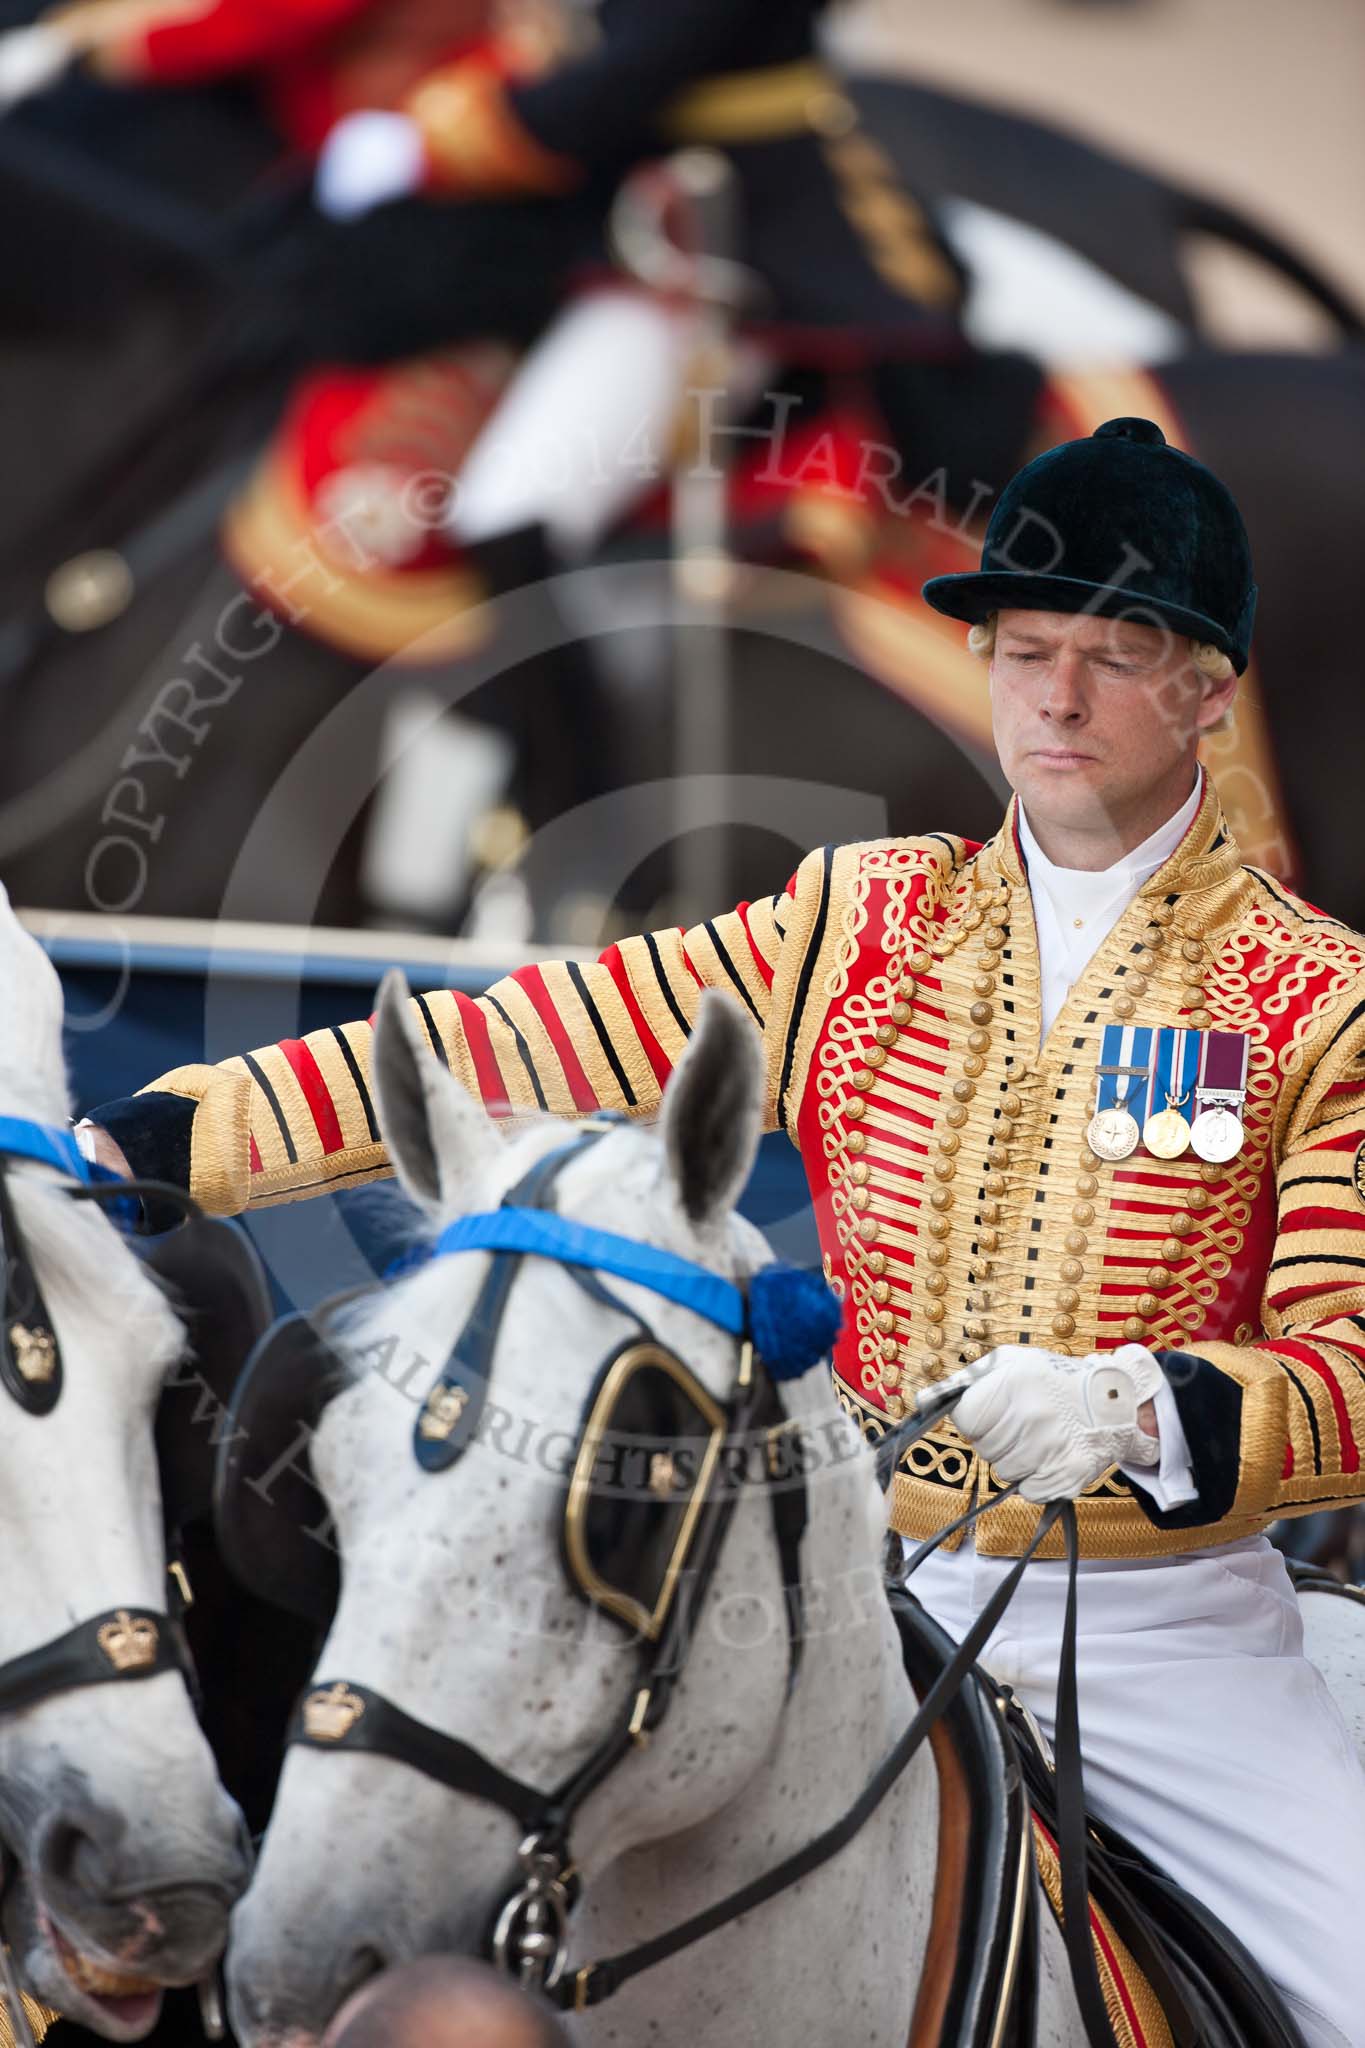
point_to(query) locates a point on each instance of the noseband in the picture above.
(123, 1643)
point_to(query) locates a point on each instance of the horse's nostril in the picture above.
(78, 1846)
(361, 1965)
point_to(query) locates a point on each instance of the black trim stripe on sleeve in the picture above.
(1316, 1259)
(1357, 1365)
(1326, 1500)
(1315, 1180)
(1308, 1408)
(730, 968)
(523, 1051)
(651, 947)
(332, 1182)
(437, 1042)
(253, 1067)
(803, 982)
(595, 1018)
(358, 1079)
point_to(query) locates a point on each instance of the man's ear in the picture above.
(438, 1138)
(1216, 706)
(1219, 690)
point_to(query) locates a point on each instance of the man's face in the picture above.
(1097, 720)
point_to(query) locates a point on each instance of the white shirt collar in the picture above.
(1075, 909)
(1082, 886)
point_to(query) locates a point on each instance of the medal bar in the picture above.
(1217, 1133)
(1125, 1051)
(1165, 1131)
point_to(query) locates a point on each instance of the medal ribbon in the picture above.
(1174, 1069)
(1123, 1045)
(1223, 1063)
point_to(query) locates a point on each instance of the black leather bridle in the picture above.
(529, 1936)
(122, 1644)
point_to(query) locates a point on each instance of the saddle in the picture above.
(1172, 1975)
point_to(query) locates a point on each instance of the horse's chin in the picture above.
(83, 1986)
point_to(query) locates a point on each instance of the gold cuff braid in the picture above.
(220, 1137)
(1265, 1424)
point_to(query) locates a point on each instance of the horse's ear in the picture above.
(436, 1135)
(712, 1110)
(31, 1017)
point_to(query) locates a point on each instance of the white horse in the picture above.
(456, 1606)
(123, 1853)
(1334, 1640)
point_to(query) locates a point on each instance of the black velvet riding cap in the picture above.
(1121, 525)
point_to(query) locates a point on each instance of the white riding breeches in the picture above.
(1208, 1740)
(585, 427)
(592, 419)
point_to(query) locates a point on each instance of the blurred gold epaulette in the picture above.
(474, 141)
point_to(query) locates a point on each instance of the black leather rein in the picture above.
(123, 1643)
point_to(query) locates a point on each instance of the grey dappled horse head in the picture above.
(129, 1853)
(456, 1605)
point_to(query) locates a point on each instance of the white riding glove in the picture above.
(368, 159)
(31, 59)
(1058, 1424)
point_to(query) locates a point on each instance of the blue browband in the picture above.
(51, 1145)
(791, 1316)
(47, 1145)
(550, 1236)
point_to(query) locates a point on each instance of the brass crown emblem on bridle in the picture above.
(35, 1352)
(442, 1411)
(130, 1645)
(330, 1714)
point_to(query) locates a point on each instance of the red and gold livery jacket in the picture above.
(317, 59)
(959, 1206)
